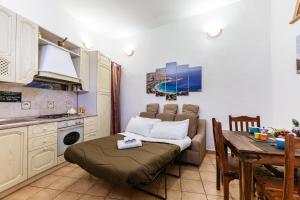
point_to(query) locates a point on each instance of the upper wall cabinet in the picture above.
(7, 45)
(27, 50)
(18, 48)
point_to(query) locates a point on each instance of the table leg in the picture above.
(246, 181)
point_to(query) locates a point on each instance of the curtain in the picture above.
(115, 98)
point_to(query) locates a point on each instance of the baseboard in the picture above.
(30, 180)
(210, 151)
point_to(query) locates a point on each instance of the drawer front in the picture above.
(42, 129)
(90, 136)
(90, 125)
(39, 142)
(42, 159)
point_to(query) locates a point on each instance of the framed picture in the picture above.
(150, 88)
(195, 79)
(160, 82)
(183, 80)
(174, 80)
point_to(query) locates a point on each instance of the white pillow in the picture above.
(149, 119)
(139, 126)
(170, 130)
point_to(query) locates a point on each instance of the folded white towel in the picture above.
(129, 139)
(127, 145)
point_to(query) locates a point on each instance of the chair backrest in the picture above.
(242, 123)
(219, 144)
(291, 144)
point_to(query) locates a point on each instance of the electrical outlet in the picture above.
(50, 104)
(26, 105)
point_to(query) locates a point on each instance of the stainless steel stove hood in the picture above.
(56, 63)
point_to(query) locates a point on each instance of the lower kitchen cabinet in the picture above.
(42, 159)
(13, 157)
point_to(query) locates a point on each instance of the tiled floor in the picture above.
(71, 182)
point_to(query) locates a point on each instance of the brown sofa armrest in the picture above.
(199, 140)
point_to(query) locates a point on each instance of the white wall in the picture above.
(236, 66)
(285, 81)
(49, 16)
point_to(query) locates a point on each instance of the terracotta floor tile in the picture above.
(100, 189)
(173, 183)
(172, 194)
(77, 173)
(207, 168)
(192, 186)
(192, 196)
(208, 176)
(207, 160)
(189, 167)
(190, 174)
(63, 171)
(212, 197)
(90, 197)
(62, 183)
(234, 190)
(123, 193)
(68, 196)
(138, 195)
(24, 193)
(81, 185)
(46, 194)
(45, 181)
(210, 189)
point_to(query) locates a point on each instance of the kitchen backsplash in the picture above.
(36, 101)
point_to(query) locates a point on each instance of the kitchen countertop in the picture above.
(28, 121)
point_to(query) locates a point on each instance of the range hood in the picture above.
(56, 63)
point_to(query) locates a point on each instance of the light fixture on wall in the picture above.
(129, 51)
(214, 32)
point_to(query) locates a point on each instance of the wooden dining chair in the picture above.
(278, 188)
(242, 123)
(227, 167)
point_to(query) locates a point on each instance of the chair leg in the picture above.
(226, 187)
(218, 177)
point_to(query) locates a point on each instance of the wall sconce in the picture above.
(129, 51)
(214, 32)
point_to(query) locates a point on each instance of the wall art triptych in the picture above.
(174, 80)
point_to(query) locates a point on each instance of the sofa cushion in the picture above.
(170, 108)
(153, 108)
(193, 125)
(147, 114)
(190, 109)
(165, 116)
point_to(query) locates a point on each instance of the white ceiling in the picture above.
(121, 18)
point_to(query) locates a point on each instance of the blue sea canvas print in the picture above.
(171, 81)
(150, 88)
(160, 82)
(183, 80)
(174, 80)
(195, 79)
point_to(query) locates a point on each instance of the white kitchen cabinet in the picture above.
(26, 51)
(84, 72)
(7, 45)
(104, 74)
(104, 114)
(90, 128)
(98, 99)
(42, 159)
(13, 157)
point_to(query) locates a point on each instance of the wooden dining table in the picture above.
(251, 151)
